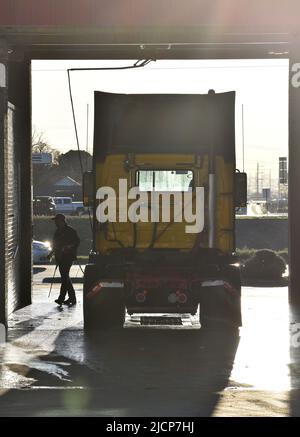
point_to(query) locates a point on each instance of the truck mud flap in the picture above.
(220, 304)
(105, 309)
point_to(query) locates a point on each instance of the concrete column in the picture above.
(294, 172)
(3, 114)
(15, 88)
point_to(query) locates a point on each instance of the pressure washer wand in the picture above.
(52, 281)
(79, 267)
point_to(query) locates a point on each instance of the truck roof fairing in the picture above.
(164, 123)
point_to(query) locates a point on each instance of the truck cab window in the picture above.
(164, 180)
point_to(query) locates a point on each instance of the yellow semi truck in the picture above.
(164, 190)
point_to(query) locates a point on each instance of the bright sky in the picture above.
(261, 87)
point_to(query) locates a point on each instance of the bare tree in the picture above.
(40, 144)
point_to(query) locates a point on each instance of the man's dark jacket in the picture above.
(65, 244)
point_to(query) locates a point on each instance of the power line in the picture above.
(137, 64)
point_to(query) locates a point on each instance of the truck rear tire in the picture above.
(103, 308)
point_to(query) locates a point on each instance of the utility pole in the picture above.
(243, 134)
(257, 179)
(87, 136)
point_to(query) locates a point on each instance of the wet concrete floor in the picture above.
(49, 367)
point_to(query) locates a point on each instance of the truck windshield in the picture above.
(164, 180)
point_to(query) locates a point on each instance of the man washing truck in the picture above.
(163, 190)
(65, 244)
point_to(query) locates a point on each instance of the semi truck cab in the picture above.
(163, 191)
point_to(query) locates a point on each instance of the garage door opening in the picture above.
(261, 114)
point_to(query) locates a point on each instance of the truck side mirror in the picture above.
(87, 185)
(240, 190)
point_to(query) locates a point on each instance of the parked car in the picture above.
(43, 205)
(40, 251)
(65, 205)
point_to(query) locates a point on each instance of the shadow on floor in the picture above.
(129, 372)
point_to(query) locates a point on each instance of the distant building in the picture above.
(65, 186)
(68, 187)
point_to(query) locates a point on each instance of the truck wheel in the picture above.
(220, 307)
(103, 308)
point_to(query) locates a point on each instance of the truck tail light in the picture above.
(94, 291)
(182, 298)
(141, 296)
